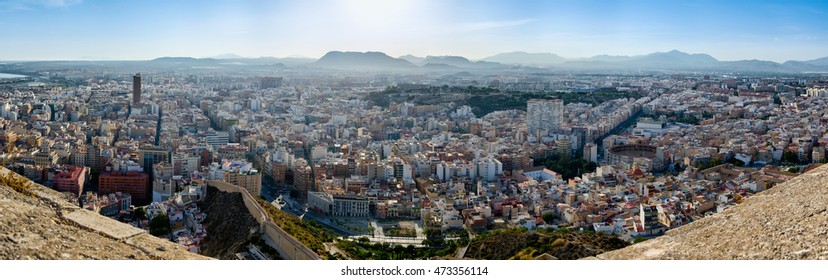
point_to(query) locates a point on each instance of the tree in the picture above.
(140, 213)
(735, 161)
(791, 157)
(160, 225)
(549, 217)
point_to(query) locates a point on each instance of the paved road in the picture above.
(402, 241)
(325, 221)
(378, 233)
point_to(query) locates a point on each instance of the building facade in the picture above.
(136, 88)
(544, 116)
(71, 179)
(133, 182)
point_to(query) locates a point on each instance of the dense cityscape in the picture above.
(380, 161)
(413, 139)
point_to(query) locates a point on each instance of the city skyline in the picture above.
(104, 30)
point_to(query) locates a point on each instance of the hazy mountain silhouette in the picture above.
(513, 61)
(439, 66)
(660, 60)
(413, 59)
(524, 58)
(227, 56)
(360, 60)
(820, 63)
(677, 58)
(461, 62)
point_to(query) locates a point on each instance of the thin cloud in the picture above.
(57, 3)
(14, 6)
(31, 5)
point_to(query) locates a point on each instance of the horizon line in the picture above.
(106, 59)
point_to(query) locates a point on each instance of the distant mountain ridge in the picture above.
(461, 62)
(524, 58)
(413, 59)
(369, 60)
(521, 61)
(671, 60)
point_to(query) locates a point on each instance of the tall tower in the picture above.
(136, 88)
(544, 116)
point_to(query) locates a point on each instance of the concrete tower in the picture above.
(136, 88)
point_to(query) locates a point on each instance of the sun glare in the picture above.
(378, 13)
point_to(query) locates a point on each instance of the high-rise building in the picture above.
(278, 171)
(544, 116)
(303, 179)
(136, 88)
(150, 155)
(488, 168)
(591, 152)
(649, 217)
(162, 185)
(564, 147)
(270, 82)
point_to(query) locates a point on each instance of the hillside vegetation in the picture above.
(484, 100)
(363, 250)
(310, 233)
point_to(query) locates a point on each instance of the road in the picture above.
(330, 224)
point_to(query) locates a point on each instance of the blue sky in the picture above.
(728, 30)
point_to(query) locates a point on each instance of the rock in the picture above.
(775, 224)
(36, 230)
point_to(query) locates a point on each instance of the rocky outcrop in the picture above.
(789, 221)
(38, 223)
(230, 226)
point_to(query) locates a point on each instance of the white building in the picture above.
(544, 116)
(540, 174)
(488, 168)
(185, 165)
(216, 138)
(591, 152)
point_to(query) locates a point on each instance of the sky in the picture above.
(147, 29)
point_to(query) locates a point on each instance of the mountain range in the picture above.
(512, 61)
(361, 60)
(523, 58)
(671, 60)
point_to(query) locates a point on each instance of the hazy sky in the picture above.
(146, 29)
